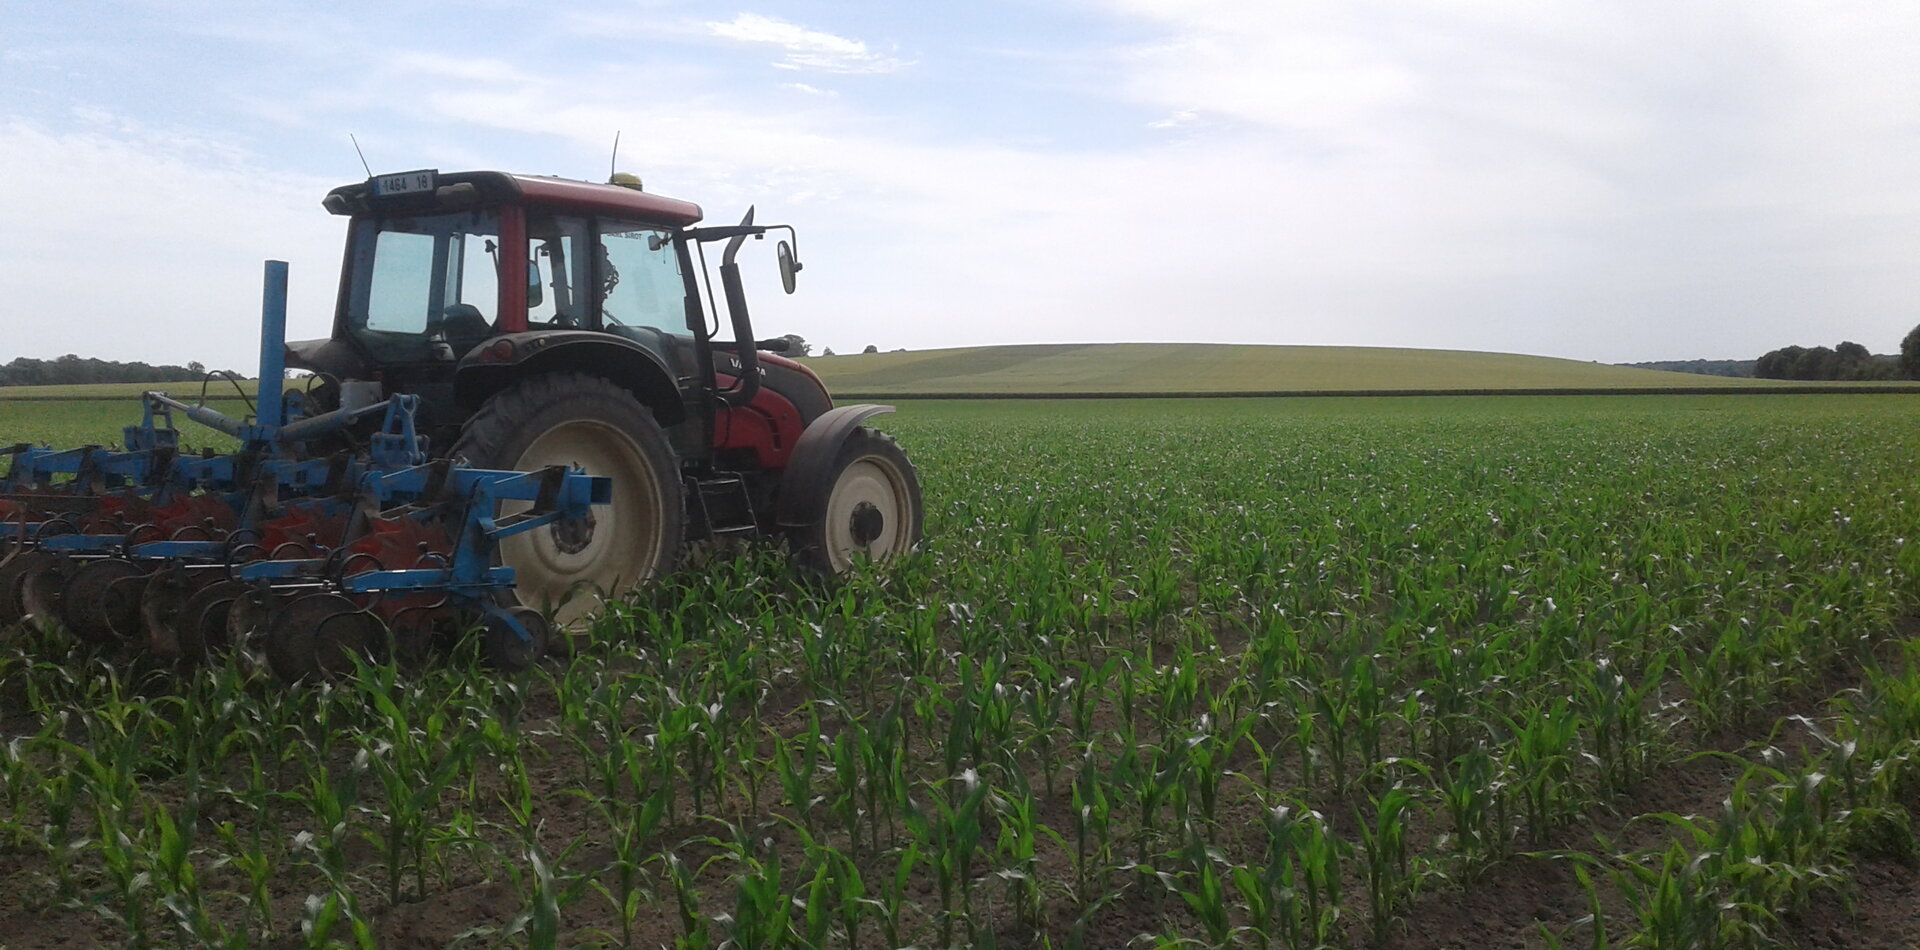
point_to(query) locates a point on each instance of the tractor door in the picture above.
(418, 291)
(420, 286)
(642, 292)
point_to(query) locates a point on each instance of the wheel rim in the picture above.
(571, 565)
(869, 512)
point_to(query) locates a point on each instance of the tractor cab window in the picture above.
(556, 266)
(637, 276)
(420, 287)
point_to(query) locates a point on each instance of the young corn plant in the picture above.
(330, 799)
(414, 765)
(1541, 764)
(686, 898)
(949, 836)
(893, 901)
(548, 890)
(796, 762)
(1474, 798)
(1391, 885)
(631, 824)
(1209, 903)
(249, 857)
(1092, 841)
(1294, 898)
(178, 880)
(325, 913)
(1625, 736)
(1017, 852)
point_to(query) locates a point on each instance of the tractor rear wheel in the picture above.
(576, 419)
(872, 508)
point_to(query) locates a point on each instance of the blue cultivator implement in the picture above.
(307, 551)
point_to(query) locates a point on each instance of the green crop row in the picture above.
(1237, 673)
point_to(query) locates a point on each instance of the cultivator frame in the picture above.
(309, 558)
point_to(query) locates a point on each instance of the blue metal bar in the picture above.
(36, 467)
(197, 550)
(427, 579)
(273, 343)
(280, 570)
(82, 543)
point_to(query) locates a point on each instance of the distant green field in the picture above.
(1121, 368)
(218, 389)
(96, 421)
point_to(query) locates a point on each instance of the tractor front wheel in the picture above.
(872, 508)
(576, 419)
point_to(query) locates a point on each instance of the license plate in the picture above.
(405, 183)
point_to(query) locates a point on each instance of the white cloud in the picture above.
(806, 49)
(146, 244)
(1650, 177)
(1655, 182)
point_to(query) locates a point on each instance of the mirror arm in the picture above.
(734, 231)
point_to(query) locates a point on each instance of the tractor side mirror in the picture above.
(788, 266)
(534, 294)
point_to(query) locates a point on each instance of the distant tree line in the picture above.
(1742, 369)
(1849, 360)
(26, 371)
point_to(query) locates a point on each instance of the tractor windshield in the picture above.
(639, 280)
(419, 287)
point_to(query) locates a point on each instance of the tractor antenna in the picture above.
(613, 164)
(363, 155)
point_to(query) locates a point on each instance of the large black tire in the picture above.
(872, 508)
(577, 419)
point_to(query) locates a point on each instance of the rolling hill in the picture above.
(1141, 369)
(1193, 368)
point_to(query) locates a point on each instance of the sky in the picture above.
(1612, 182)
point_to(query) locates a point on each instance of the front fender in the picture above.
(804, 486)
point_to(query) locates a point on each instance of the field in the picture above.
(1135, 368)
(97, 421)
(130, 392)
(1631, 671)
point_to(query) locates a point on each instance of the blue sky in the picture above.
(1617, 182)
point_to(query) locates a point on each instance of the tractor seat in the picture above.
(465, 323)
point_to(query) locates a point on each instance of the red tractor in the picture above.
(543, 321)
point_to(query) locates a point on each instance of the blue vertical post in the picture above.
(273, 343)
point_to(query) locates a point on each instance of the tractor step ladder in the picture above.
(723, 507)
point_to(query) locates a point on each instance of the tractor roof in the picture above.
(445, 190)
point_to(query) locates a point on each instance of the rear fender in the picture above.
(487, 370)
(803, 489)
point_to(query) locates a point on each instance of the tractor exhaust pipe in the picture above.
(742, 323)
(742, 332)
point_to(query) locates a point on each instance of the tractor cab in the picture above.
(436, 265)
(455, 286)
